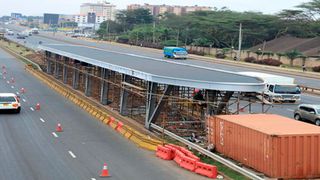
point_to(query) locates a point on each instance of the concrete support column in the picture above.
(75, 77)
(124, 95)
(88, 82)
(48, 65)
(151, 102)
(56, 68)
(104, 91)
(65, 70)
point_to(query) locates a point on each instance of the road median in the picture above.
(142, 140)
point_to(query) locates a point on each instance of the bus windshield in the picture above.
(287, 89)
(180, 52)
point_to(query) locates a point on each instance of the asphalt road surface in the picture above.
(312, 82)
(283, 109)
(31, 150)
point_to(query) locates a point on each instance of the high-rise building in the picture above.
(103, 9)
(51, 19)
(16, 15)
(161, 9)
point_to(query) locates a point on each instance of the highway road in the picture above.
(312, 82)
(31, 150)
(284, 109)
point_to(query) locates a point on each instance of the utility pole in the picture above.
(107, 28)
(177, 44)
(240, 41)
(153, 33)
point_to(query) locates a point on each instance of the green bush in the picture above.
(316, 69)
(250, 59)
(171, 43)
(123, 39)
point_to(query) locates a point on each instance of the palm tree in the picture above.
(280, 55)
(292, 55)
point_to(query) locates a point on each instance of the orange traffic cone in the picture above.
(12, 80)
(59, 128)
(22, 90)
(38, 106)
(105, 171)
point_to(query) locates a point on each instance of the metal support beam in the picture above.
(222, 105)
(151, 101)
(65, 71)
(104, 91)
(158, 108)
(88, 82)
(211, 98)
(124, 95)
(75, 77)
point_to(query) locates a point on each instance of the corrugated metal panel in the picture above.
(280, 156)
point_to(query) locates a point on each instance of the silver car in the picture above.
(308, 112)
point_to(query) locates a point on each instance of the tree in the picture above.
(292, 55)
(280, 54)
(311, 9)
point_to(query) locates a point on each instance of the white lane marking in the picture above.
(93, 179)
(290, 110)
(23, 100)
(42, 120)
(54, 134)
(31, 108)
(72, 155)
(12, 87)
(17, 93)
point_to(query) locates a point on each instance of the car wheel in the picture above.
(317, 122)
(18, 110)
(297, 117)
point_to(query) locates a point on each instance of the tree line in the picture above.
(218, 28)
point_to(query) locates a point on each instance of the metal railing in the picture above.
(311, 90)
(215, 157)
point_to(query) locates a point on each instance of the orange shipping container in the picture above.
(277, 146)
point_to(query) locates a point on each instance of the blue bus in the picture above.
(175, 52)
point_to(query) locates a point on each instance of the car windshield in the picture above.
(6, 99)
(318, 111)
(180, 52)
(286, 89)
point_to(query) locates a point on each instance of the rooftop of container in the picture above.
(272, 124)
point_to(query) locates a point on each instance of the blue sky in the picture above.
(38, 7)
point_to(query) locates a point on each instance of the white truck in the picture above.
(278, 88)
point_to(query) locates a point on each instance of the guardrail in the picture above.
(310, 90)
(216, 157)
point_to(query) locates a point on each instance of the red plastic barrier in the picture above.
(175, 146)
(164, 153)
(111, 120)
(206, 170)
(178, 157)
(188, 163)
(119, 126)
(173, 150)
(189, 153)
